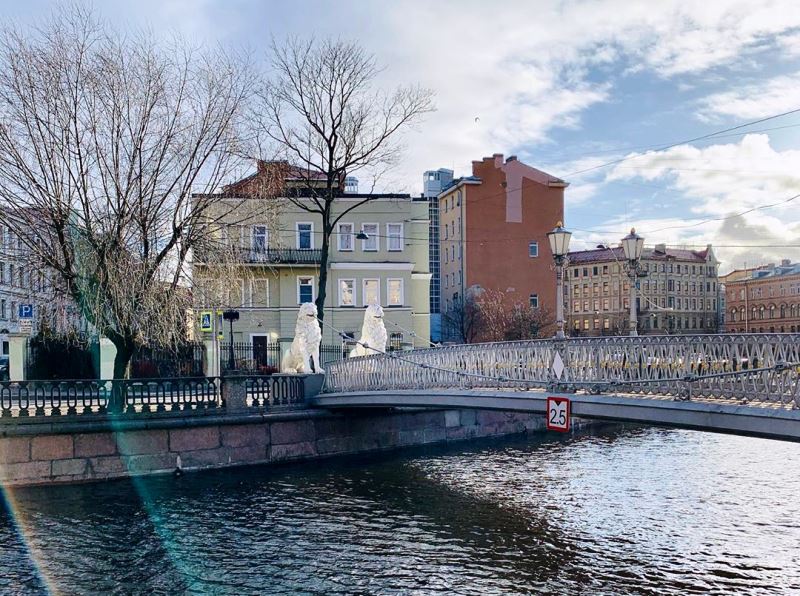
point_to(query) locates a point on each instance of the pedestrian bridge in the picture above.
(742, 384)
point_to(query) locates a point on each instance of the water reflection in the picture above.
(620, 511)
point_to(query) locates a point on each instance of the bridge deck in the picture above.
(761, 419)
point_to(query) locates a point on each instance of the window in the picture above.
(13, 311)
(595, 271)
(259, 292)
(371, 244)
(394, 292)
(347, 288)
(3, 310)
(346, 237)
(305, 289)
(394, 237)
(259, 238)
(305, 235)
(2, 272)
(533, 299)
(371, 292)
(533, 249)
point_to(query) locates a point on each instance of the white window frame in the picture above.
(402, 291)
(253, 236)
(339, 286)
(532, 244)
(250, 301)
(352, 236)
(389, 237)
(375, 236)
(532, 298)
(313, 287)
(364, 289)
(311, 234)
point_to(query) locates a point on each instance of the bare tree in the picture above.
(103, 138)
(461, 322)
(322, 112)
(489, 316)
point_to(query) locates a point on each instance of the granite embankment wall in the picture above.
(81, 451)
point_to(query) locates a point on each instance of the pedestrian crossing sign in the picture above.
(206, 322)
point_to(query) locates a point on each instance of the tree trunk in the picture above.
(323, 272)
(122, 360)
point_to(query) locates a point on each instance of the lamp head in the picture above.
(559, 240)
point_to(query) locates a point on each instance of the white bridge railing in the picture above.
(751, 367)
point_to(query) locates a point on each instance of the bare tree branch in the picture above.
(103, 140)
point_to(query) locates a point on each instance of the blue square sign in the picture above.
(26, 311)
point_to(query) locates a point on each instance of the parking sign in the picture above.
(25, 311)
(558, 412)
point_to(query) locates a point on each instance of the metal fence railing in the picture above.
(753, 367)
(22, 401)
(185, 360)
(264, 359)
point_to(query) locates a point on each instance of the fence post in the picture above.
(234, 392)
(211, 363)
(108, 351)
(17, 356)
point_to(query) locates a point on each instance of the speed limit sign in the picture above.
(558, 414)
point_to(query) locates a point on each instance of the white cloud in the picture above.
(758, 100)
(718, 182)
(523, 68)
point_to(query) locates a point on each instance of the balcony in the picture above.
(282, 256)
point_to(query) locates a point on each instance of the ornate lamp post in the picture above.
(231, 315)
(632, 245)
(559, 246)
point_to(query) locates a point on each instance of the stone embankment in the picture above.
(82, 451)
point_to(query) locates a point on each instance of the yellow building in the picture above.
(277, 244)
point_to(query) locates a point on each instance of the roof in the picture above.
(770, 271)
(604, 255)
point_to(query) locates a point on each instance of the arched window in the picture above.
(733, 315)
(755, 313)
(761, 313)
(783, 311)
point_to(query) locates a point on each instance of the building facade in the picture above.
(763, 299)
(280, 245)
(678, 292)
(493, 234)
(29, 287)
(434, 182)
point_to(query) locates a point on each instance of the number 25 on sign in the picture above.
(558, 414)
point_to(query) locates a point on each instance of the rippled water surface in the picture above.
(619, 511)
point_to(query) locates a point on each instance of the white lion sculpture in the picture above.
(305, 345)
(373, 333)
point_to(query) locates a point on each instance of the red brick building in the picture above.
(763, 300)
(493, 233)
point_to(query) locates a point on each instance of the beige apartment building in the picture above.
(278, 269)
(678, 292)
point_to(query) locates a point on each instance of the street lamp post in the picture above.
(231, 315)
(632, 245)
(559, 246)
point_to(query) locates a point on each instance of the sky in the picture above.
(603, 94)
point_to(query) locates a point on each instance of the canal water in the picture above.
(617, 511)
